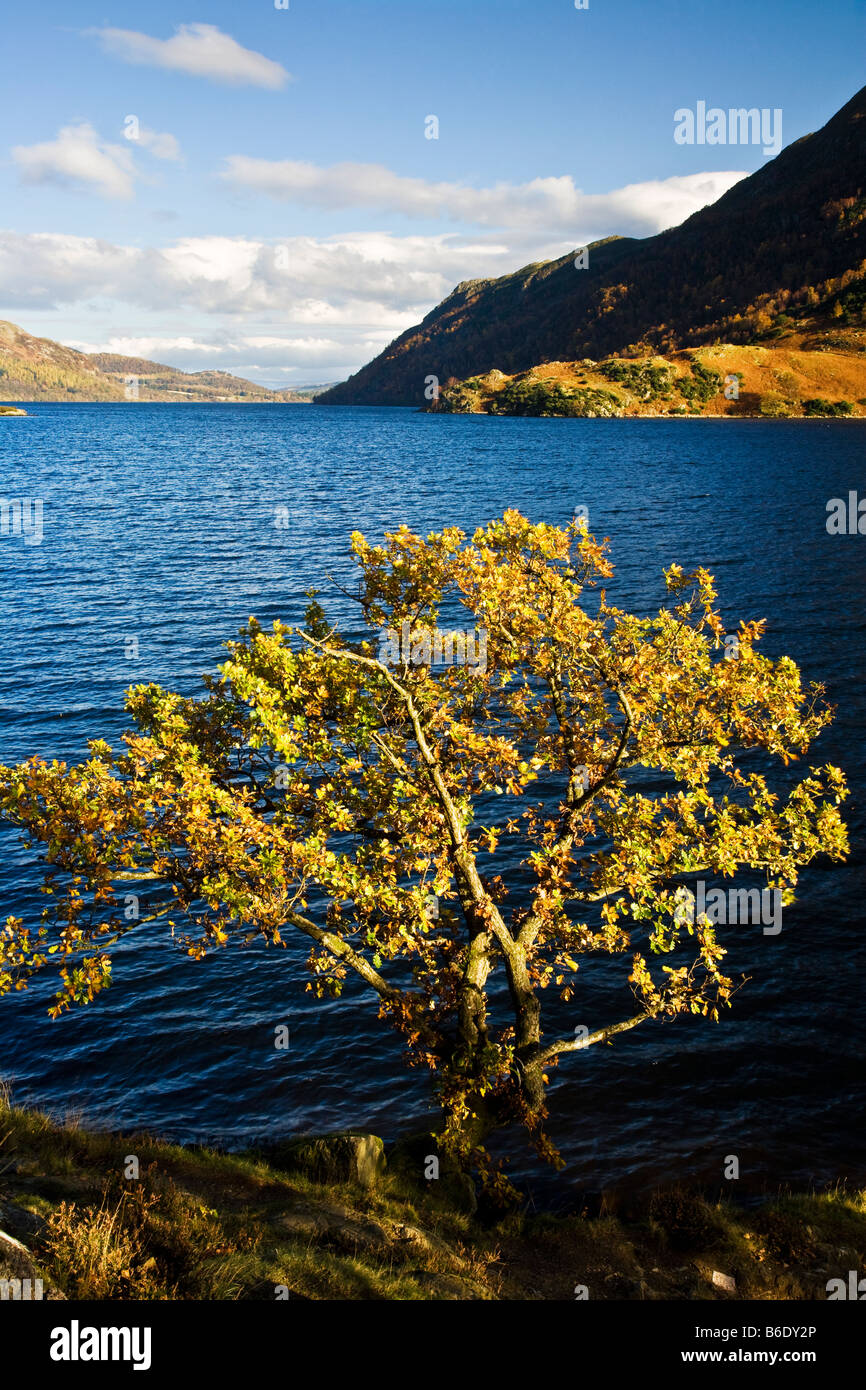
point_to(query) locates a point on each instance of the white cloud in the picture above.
(363, 278)
(201, 50)
(161, 145)
(329, 305)
(267, 352)
(144, 347)
(332, 304)
(639, 209)
(78, 157)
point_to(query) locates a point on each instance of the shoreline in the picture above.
(112, 1216)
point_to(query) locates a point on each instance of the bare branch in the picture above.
(557, 1049)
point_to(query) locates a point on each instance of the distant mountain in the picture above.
(33, 369)
(40, 369)
(787, 242)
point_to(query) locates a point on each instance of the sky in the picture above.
(280, 192)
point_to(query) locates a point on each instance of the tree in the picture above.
(360, 794)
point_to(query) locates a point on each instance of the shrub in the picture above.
(774, 405)
(646, 379)
(701, 386)
(531, 397)
(94, 1255)
(816, 405)
(688, 1222)
(787, 1235)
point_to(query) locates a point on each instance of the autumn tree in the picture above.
(355, 792)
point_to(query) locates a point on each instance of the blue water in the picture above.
(159, 526)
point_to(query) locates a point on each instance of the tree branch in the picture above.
(558, 1048)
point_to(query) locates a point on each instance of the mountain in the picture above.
(786, 243)
(159, 382)
(34, 369)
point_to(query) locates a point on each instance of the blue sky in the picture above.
(281, 213)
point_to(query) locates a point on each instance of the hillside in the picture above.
(199, 1224)
(786, 243)
(772, 382)
(33, 369)
(40, 369)
(159, 382)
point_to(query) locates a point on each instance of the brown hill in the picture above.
(789, 242)
(38, 368)
(34, 369)
(725, 379)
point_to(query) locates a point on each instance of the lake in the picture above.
(159, 540)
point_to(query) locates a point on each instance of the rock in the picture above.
(331, 1158)
(11, 410)
(724, 1281)
(412, 1158)
(21, 1279)
(24, 1225)
(334, 1225)
(413, 1239)
(621, 1286)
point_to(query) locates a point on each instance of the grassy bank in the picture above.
(197, 1224)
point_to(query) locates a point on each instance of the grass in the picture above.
(201, 1225)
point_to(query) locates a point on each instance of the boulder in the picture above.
(396, 1241)
(21, 1279)
(23, 1225)
(335, 1158)
(413, 1158)
(336, 1225)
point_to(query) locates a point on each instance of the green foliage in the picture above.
(774, 405)
(800, 241)
(647, 380)
(526, 396)
(25, 379)
(782, 324)
(532, 397)
(816, 405)
(202, 1225)
(460, 397)
(701, 386)
(848, 304)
